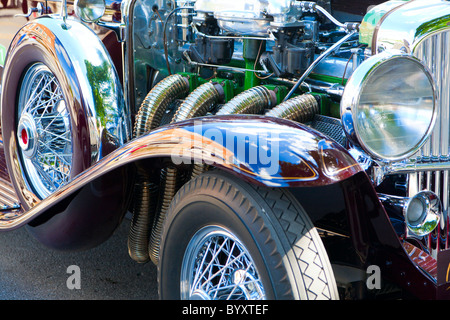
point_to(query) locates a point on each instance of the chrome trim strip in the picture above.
(411, 167)
(377, 28)
(126, 9)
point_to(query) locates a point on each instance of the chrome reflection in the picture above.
(407, 26)
(167, 141)
(422, 213)
(90, 10)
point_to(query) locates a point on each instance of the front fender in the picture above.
(262, 150)
(245, 146)
(77, 53)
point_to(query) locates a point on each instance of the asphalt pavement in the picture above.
(30, 271)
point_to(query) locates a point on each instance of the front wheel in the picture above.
(45, 132)
(225, 239)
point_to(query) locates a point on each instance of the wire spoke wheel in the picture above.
(43, 131)
(217, 266)
(225, 239)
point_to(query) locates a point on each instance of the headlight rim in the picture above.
(352, 93)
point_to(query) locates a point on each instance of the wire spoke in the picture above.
(221, 268)
(48, 158)
(59, 156)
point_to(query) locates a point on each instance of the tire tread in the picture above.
(308, 263)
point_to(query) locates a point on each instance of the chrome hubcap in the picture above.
(43, 131)
(217, 266)
(27, 135)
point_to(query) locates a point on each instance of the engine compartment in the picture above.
(243, 44)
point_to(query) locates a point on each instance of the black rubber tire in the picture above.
(284, 245)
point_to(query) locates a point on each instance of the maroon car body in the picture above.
(358, 229)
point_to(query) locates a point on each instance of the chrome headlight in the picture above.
(90, 10)
(389, 106)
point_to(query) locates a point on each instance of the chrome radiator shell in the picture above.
(422, 28)
(433, 51)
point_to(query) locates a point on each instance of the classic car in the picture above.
(262, 149)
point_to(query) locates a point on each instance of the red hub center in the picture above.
(24, 136)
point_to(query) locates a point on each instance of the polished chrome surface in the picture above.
(435, 154)
(126, 10)
(44, 132)
(102, 90)
(217, 266)
(9, 204)
(249, 17)
(421, 27)
(251, 101)
(301, 108)
(405, 27)
(423, 212)
(433, 52)
(90, 86)
(39, 10)
(199, 102)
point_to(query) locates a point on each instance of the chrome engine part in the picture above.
(251, 17)
(280, 38)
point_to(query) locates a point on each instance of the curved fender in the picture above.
(262, 150)
(76, 51)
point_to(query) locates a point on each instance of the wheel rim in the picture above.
(217, 266)
(43, 131)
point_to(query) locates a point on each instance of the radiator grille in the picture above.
(433, 51)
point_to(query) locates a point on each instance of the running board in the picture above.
(10, 208)
(8, 197)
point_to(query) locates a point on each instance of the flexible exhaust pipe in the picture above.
(300, 108)
(146, 191)
(251, 101)
(196, 104)
(156, 102)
